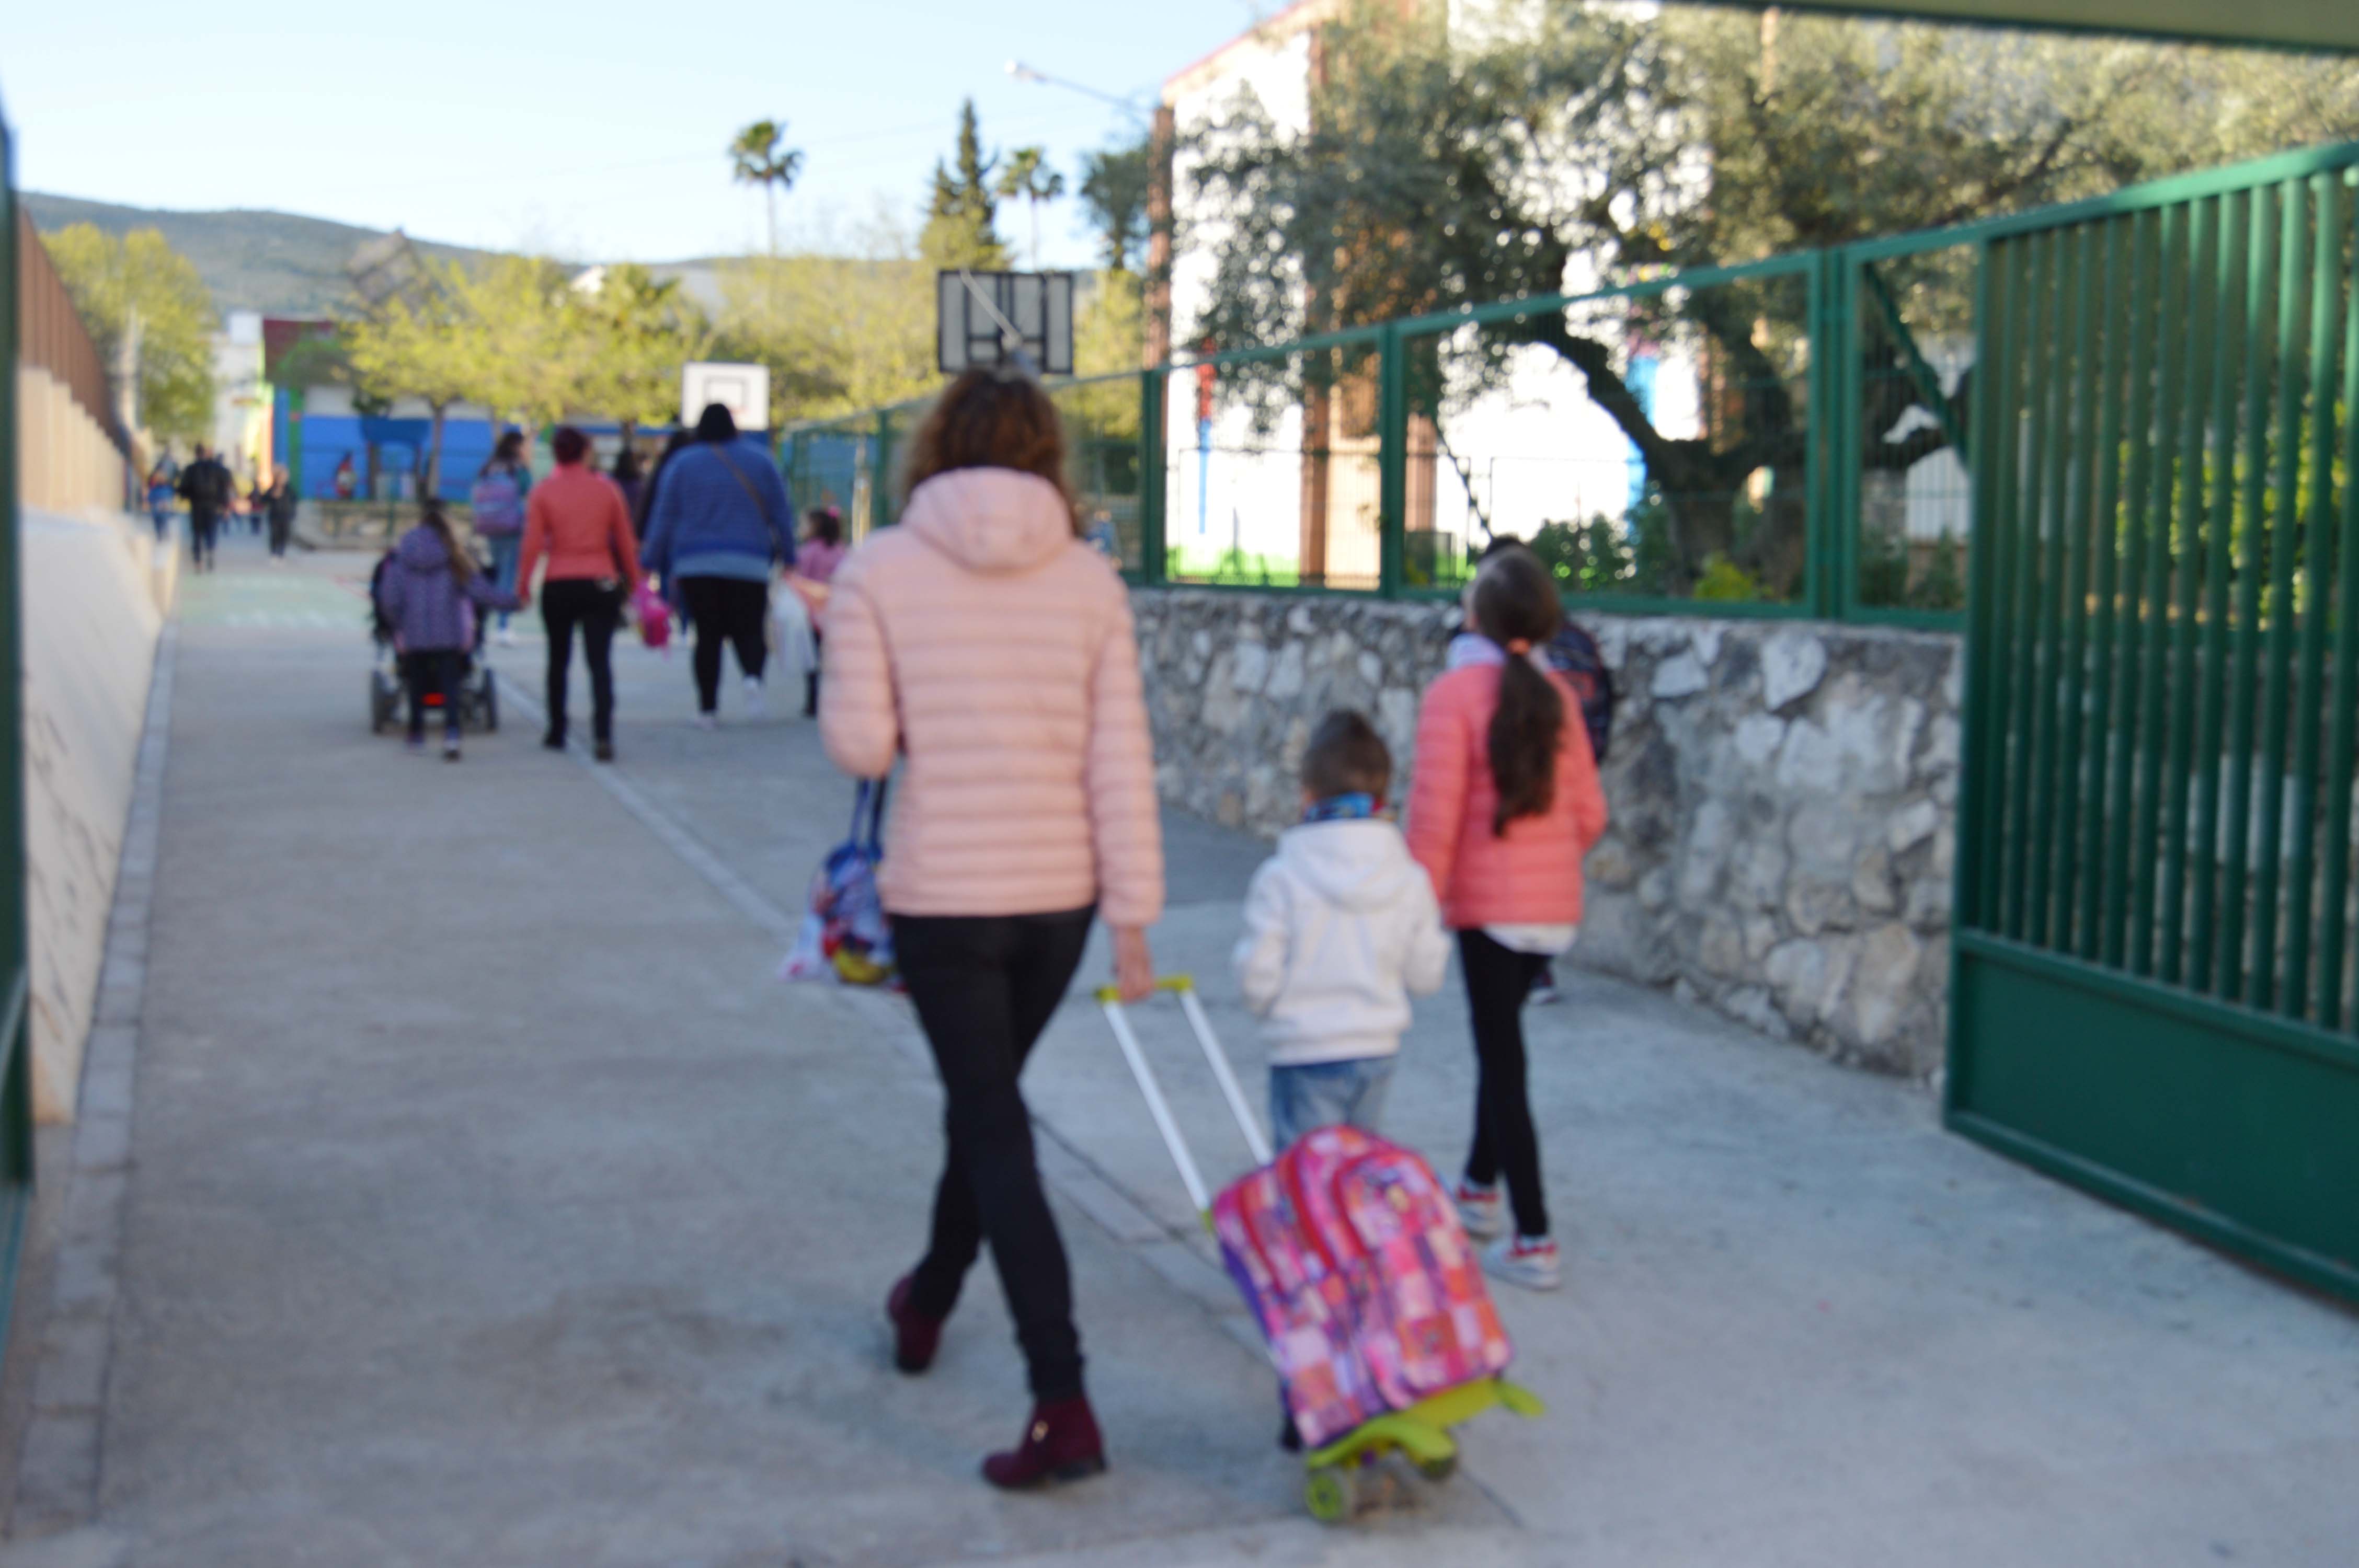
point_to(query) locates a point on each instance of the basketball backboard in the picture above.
(990, 317)
(743, 390)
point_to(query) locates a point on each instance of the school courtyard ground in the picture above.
(484, 1200)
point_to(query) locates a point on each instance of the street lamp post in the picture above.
(1022, 72)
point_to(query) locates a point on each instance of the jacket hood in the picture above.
(1354, 864)
(421, 550)
(990, 520)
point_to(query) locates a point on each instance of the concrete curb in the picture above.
(58, 1471)
(1186, 1259)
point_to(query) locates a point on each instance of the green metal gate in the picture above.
(15, 1049)
(2153, 993)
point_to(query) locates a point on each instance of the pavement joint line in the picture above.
(1079, 1179)
(55, 1488)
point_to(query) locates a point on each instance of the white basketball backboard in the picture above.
(990, 317)
(743, 390)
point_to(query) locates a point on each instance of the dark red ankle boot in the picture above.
(1061, 1444)
(916, 1336)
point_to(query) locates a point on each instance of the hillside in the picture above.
(277, 263)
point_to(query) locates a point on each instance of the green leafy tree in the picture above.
(1114, 186)
(635, 332)
(759, 157)
(961, 216)
(837, 332)
(139, 282)
(1441, 173)
(1027, 175)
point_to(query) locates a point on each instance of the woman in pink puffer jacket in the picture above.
(985, 642)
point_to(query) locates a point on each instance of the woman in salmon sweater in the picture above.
(986, 642)
(1506, 804)
(577, 518)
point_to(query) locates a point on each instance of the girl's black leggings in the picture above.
(1498, 979)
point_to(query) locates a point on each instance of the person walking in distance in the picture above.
(278, 505)
(576, 520)
(207, 487)
(431, 593)
(986, 644)
(160, 496)
(817, 558)
(1505, 804)
(497, 500)
(722, 525)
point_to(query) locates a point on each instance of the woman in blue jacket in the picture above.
(721, 527)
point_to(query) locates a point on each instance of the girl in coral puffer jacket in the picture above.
(1506, 804)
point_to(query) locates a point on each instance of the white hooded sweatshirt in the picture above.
(1341, 927)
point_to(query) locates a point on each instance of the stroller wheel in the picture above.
(380, 704)
(1331, 1494)
(491, 705)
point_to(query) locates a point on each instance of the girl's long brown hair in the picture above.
(463, 565)
(1516, 606)
(992, 419)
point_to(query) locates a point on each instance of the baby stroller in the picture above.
(478, 695)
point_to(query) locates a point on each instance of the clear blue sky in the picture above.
(591, 129)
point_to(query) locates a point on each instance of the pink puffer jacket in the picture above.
(995, 649)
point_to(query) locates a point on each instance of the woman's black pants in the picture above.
(565, 604)
(726, 609)
(985, 987)
(1498, 979)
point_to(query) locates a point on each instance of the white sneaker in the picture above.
(507, 638)
(1545, 994)
(1527, 1260)
(1480, 1210)
(708, 721)
(755, 706)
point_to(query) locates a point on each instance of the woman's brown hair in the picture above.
(1516, 606)
(463, 565)
(992, 419)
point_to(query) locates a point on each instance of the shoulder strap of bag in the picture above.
(739, 475)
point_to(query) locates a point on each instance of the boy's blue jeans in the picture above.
(1324, 1094)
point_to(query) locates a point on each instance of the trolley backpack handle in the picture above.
(1184, 988)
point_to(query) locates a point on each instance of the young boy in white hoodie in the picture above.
(1341, 927)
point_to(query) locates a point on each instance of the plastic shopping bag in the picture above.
(654, 616)
(790, 613)
(845, 935)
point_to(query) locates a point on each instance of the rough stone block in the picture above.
(1792, 664)
(1871, 880)
(1681, 675)
(1883, 982)
(1911, 826)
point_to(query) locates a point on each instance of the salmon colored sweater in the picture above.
(1532, 875)
(995, 649)
(580, 521)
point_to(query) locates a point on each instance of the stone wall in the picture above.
(1783, 794)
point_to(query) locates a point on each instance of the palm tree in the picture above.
(755, 157)
(1027, 175)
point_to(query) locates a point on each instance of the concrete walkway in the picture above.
(489, 1204)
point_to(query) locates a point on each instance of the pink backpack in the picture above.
(1352, 1257)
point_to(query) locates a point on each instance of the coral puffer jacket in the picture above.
(995, 649)
(1532, 875)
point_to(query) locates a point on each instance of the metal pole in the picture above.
(1188, 1174)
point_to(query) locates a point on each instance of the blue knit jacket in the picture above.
(704, 523)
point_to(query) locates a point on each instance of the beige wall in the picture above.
(95, 591)
(64, 461)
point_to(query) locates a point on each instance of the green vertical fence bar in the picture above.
(2109, 797)
(2177, 291)
(2126, 322)
(2220, 568)
(2100, 244)
(2342, 743)
(2024, 631)
(880, 472)
(2057, 411)
(1992, 414)
(2317, 557)
(2186, 523)
(1392, 460)
(2252, 521)
(2284, 540)
(1154, 452)
(2009, 264)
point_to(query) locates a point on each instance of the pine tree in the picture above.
(960, 218)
